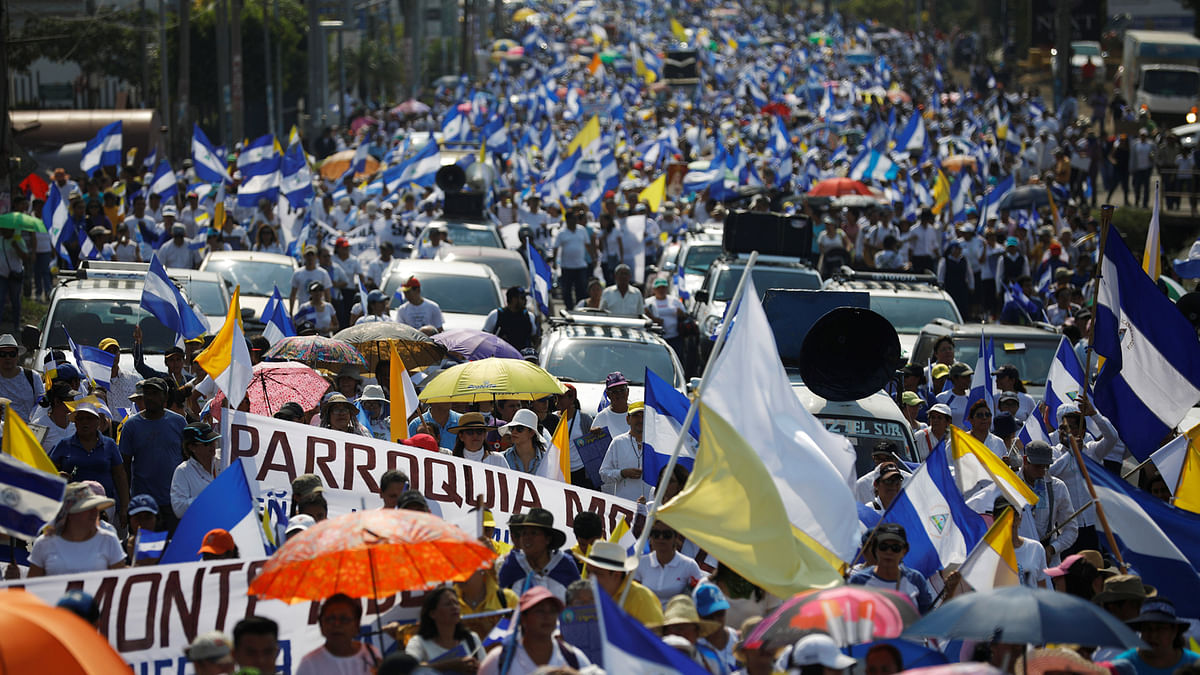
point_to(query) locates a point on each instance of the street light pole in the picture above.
(327, 26)
(342, 70)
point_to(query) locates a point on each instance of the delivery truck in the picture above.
(1160, 73)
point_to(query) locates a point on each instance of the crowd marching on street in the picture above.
(431, 263)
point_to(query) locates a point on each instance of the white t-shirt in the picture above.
(425, 314)
(302, 277)
(668, 310)
(320, 662)
(59, 556)
(1031, 562)
(573, 246)
(670, 580)
(616, 422)
(54, 433)
(177, 256)
(426, 651)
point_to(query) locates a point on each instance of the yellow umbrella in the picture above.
(490, 379)
(523, 14)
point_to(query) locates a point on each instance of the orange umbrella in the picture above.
(836, 187)
(35, 637)
(371, 554)
(336, 164)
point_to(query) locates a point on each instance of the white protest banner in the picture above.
(150, 614)
(350, 467)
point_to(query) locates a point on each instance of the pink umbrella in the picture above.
(360, 122)
(277, 382)
(410, 107)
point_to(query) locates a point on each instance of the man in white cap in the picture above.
(817, 649)
(609, 564)
(177, 252)
(211, 653)
(17, 384)
(928, 438)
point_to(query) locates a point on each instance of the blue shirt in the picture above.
(514, 462)
(95, 464)
(910, 583)
(155, 447)
(446, 439)
(1144, 668)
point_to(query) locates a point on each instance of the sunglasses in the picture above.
(983, 414)
(892, 547)
(472, 432)
(8, 353)
(662, 534)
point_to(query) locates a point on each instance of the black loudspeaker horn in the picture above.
(450, 178)
(848, 354)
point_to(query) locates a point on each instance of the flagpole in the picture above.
(1087, 477)
(693, 410)
(1106, 214)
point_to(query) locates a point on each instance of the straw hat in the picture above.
(607, 555)
(681, 611)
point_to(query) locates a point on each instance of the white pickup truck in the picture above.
(1160, 70)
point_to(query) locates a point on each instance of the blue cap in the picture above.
(80, 603)
(709, 599)
(142, 503)
(1012, 241)
(376, 296)
(66, 371)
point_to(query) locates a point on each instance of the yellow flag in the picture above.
(1187, 493)
(1152, 255)
(941, 192)
(20, 443)
(227, 359)
(730, 508)
(562, 443)
(678, 31)
(993, 561)
(403, 395)
(655, 193)
(589, 135)
(976, 462)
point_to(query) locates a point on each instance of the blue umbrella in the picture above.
(1021, 615)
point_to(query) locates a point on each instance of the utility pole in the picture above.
(341, 96)
(6, 147)
(143, 36)
(1062, 44)
(183, 137)
(164, 94)
(223, 95)
(464, 47)
(278, 70)
(316, 76)
(271, 128)
(418, 45)
(236, 71)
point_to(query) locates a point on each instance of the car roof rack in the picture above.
(848, 274)
(599, 317)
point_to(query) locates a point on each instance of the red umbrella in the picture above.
(836, 187)
(410, 107)
(361, 122)
(277, 382)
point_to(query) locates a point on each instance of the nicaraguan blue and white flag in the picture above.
(941, 528)
(278, 322)
(295, 178)
(55, 214)
(539, 278)
(359, 165)
(229, 503)
(873, 165)
(94, 363)
(209, 167)
(630, 648)
(150, 545)
(164, 184)
(1187, 268)
(1064, 384)
(103, 150)
(259, 166)
(31, 498)
(983, 384)
(1159, 541)
(162, 298)
(422, 168)
(666, 410)
(912, 136)
(1151, 376)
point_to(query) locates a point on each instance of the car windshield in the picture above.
(91, 320)
(471, 234)
(864, 433)
(1032, 357)
(766, 278)
(453, 294)
(700, 258)
(909, 315)
(1086, 49)
(206, 295)
(256, 277)
(1171, 83)
(592, 359)
(511, 271)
